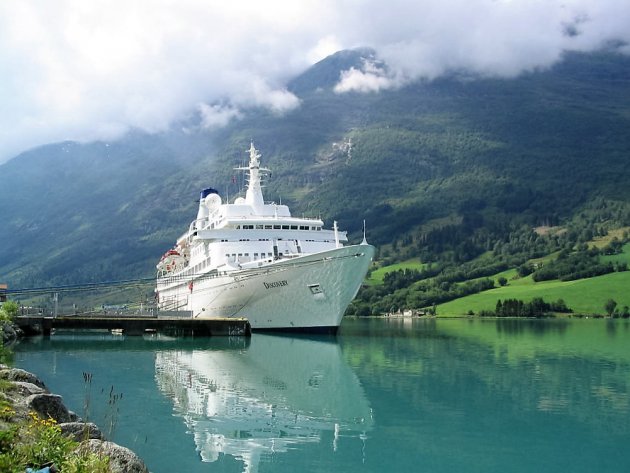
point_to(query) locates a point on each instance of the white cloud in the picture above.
(71, 69)
(324, 47)
(370, 78)
(217, 116)
(485, 37)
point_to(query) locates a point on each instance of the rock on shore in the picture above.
(9, 332)
(31, 395)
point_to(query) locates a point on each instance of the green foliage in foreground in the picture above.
(8, 310)
(36, 442)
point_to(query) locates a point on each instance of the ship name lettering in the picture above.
(271, 285)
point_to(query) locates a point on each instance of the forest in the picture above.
(469, 175)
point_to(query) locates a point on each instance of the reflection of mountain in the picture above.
(278, 392)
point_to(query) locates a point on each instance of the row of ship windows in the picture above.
(277, 227)
(246, 255)
(267, 239)
(196, 268)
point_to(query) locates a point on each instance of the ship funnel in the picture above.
(203, 211)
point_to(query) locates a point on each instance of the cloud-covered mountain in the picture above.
(488, 153)
(94, 71)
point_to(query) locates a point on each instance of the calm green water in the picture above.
(397, 395)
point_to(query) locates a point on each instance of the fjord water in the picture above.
(384, 395)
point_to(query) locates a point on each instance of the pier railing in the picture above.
(127, 298)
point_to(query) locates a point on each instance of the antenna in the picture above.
(364, 242)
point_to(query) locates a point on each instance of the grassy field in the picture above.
(584, 296)
(602, 241)
(620, 258)
(376, 277)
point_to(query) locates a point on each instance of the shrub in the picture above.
(39, 442)
(8, 310)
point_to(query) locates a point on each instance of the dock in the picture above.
(139, 325)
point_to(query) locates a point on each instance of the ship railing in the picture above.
(174, 304)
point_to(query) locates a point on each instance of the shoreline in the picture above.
(27, 394)
(23, 394)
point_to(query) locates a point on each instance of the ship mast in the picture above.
(254, 195)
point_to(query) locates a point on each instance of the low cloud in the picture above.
(371, 77)
(217, 116)
(493, 38)
(93, 70)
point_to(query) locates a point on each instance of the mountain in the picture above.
(325, 74)
(75, 212)
(449, 166)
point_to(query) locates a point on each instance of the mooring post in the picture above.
(46, 326)
(56, 304)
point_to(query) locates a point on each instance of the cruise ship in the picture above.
(252, 259)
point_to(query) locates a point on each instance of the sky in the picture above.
(92, 70)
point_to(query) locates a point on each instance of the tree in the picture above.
(525, 270)
(610, 307)
(9, 310)
(502, 281)
(498, 310)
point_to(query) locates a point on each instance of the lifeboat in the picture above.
(171, 261)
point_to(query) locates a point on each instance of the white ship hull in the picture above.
(304, 293)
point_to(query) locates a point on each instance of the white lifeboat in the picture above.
(171, 261)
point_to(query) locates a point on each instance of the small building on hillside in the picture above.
(3, 293)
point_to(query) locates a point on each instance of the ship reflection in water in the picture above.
(264, 398)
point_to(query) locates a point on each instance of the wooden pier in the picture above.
(139, 325)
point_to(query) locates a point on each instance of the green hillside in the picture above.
(454, 173)
(584, 296)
